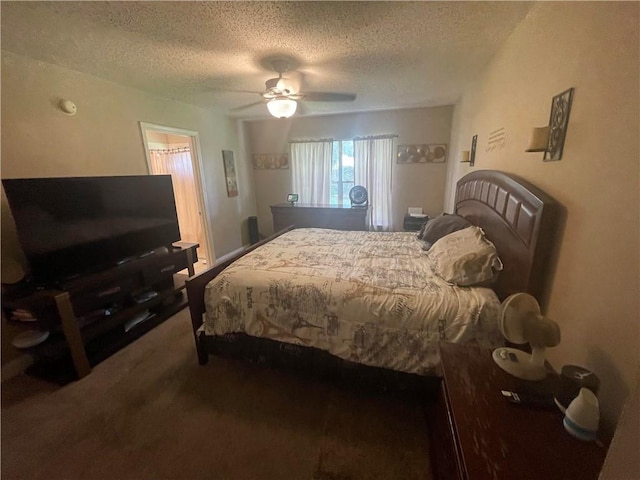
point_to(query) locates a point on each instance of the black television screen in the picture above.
(69, 226)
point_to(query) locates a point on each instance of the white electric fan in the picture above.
(520, 323)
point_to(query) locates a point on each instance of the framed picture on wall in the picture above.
(230, 173)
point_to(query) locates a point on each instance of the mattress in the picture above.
(366, 297)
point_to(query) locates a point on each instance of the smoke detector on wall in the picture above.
(67, 107)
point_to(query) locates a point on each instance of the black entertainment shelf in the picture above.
(87, 319)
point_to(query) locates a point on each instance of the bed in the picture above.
(369, 303)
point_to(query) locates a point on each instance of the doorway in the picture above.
(176, 152)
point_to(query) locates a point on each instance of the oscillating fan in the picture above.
(358, 196)
(520, 323)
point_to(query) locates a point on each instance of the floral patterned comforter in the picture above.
(367, 297)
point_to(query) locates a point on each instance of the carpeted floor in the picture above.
(151, 412)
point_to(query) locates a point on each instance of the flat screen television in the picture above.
(70, 226)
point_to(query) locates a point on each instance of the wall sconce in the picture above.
(467, 156)
(472, 155)
(539, 139)
(550, 139)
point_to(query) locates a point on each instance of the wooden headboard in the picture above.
(519, 219)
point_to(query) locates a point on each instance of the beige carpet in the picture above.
(151, 412)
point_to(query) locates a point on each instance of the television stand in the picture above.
(89, 317)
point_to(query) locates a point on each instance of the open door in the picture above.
(176, 152)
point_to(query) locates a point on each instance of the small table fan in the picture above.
(358, 196)
(521, 322)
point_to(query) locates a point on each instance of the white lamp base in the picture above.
(518, 363)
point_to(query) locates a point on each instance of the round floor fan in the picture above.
(358, 196)
(521, 323)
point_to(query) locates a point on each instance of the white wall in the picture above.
(104, 138)
(593, 47)
(414, 185)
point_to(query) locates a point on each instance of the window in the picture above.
(324, 171)
(342, 172)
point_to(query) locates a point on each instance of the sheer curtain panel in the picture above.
(311, 171)
(373, 160)
(177, 163)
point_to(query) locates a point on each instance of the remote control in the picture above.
(531, 399)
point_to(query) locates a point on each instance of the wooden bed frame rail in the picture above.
(195, 285)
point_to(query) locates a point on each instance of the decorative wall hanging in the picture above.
(474, 143)
(268, 161)
(550, 138)
(431, 153)
(558, 121)
(230, 173)
(497, 140)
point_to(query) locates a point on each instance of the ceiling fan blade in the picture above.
(232, 90)
(325, 97)
(249, 105)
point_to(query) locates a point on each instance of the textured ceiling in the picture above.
(391, 54)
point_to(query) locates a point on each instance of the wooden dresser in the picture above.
(476, 434)
(319, 216)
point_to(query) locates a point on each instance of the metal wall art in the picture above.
(270, 161)
(558, 121)
(474, 144)
(432, 153)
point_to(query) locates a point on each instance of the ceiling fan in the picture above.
(282, 93)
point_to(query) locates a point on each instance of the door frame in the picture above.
(198, 168)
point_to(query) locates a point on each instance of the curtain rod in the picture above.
(171, 150)
(368, 137)
(376, 137)
(319, 140)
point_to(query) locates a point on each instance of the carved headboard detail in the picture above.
(521, 221)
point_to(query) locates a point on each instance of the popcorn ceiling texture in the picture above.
(392, 54)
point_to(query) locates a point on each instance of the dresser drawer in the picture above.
(164, 268)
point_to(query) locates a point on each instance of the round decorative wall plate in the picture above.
(358, 195)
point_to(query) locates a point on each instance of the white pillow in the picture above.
(465, 257)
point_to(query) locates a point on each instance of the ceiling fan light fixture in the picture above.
(282, 107)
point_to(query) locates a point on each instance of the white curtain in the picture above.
(373, 160)
(177, 163)
(311, 171)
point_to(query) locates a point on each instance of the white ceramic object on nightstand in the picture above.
(582, 416)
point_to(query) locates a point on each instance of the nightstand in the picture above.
(413, 224)
(477, 434)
